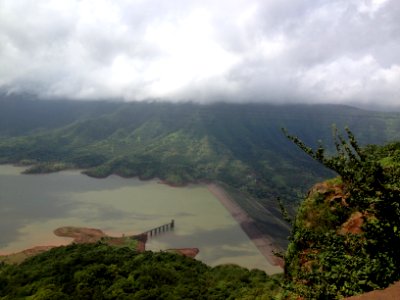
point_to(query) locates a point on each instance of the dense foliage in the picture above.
(346, 234)
(96, 271)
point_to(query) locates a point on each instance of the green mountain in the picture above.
(240, 145)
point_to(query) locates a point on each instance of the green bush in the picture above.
(97, 271)
(322, 262)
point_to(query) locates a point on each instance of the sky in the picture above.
(277, 51)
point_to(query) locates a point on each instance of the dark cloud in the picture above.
(341, 51)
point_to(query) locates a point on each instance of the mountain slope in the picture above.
(240, 145)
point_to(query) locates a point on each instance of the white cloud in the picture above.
(347, 80)
(278, 51)
(370, 7)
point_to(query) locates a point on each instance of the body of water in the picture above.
(32, 206)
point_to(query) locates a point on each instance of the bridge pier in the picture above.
(161, 229)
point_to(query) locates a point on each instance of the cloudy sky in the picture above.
(336, 51)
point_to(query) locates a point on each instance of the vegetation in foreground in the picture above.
(346, 234)
(98, 271)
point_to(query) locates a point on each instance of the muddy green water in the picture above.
(32, 206)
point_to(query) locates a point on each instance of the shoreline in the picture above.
(263, 242)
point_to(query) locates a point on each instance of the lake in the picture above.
(32, 206)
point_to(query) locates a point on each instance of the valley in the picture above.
(124, 168)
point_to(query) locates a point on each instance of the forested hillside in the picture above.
(239, 144)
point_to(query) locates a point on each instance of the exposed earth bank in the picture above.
(264, 243)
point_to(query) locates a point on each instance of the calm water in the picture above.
(32, 206)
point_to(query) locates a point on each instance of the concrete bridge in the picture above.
(160, 229)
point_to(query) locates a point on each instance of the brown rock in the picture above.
(353, 224)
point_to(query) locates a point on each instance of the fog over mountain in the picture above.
(339, 51)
